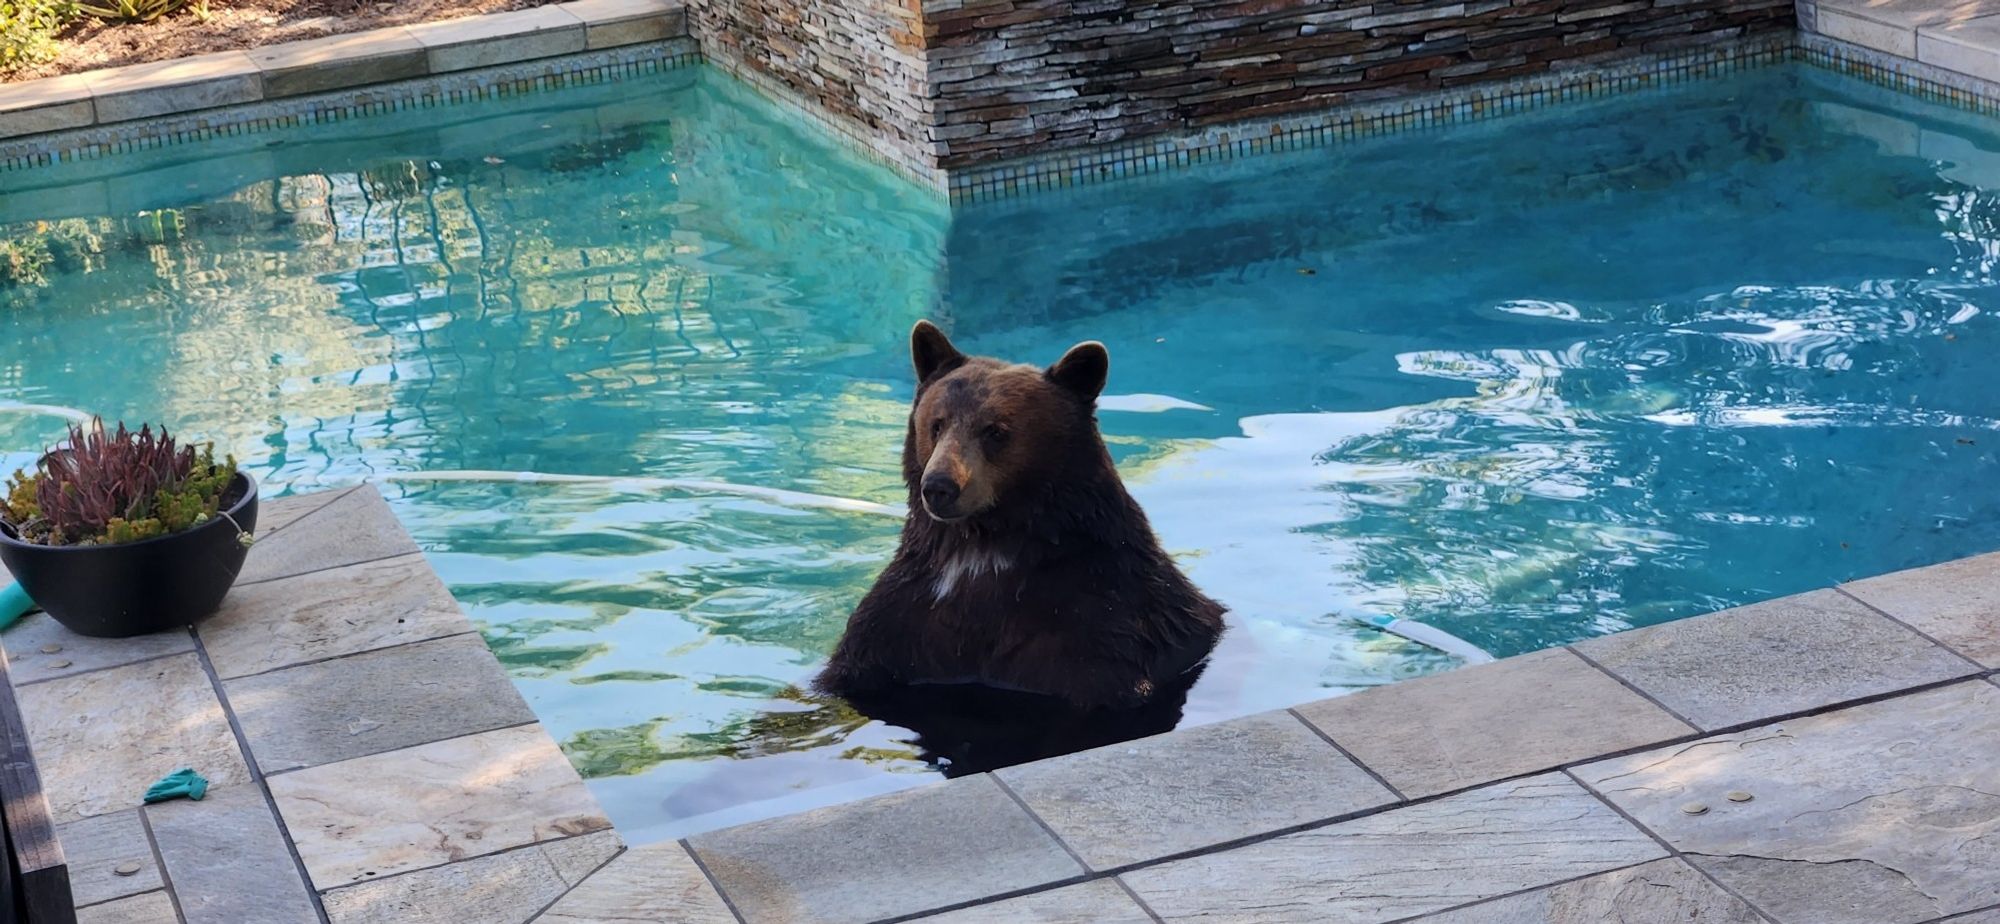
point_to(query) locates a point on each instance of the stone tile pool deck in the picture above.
(1827, 758)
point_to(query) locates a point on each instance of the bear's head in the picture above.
(982, 430)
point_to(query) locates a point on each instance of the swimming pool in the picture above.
(1529, 380)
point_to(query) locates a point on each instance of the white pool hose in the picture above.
(632, 484)
(1427, 636)
(49, 410)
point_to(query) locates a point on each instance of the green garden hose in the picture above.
(14, 604)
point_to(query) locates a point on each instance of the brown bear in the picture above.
(1023, 564)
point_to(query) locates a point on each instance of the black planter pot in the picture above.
(118, 591)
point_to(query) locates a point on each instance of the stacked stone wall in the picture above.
(956, 83)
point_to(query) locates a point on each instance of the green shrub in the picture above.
(130, 10)
(28, 31)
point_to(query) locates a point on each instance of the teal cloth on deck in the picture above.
(180, 783)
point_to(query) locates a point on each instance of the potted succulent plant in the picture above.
(122, 533)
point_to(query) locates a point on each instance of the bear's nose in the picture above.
(940, 495)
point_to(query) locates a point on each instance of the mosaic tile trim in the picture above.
(1432, 110)
(422, 93)
(1034, 174)
(1924, 81)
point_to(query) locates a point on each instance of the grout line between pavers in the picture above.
(1841, 589)
(622, 850)
(1962, 915)
(1418, 918)
(1564, 768)
(1672, 851)
(1323, 736)
(1040, 823)
(337, 494)
(1126, 887)
(350, 564)
(263, 785)
(100, 670)
(713, 882)
(421, 744)
(469, 630)
(1629, 685)
(159, 862)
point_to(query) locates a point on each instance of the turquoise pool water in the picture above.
(1530, 381)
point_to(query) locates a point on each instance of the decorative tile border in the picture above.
(520, 79)
(1927, 82)
(1431, 110)
(1033, 174)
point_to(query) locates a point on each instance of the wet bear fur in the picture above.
(1024, 564)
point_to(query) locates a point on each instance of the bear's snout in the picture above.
(941, 496)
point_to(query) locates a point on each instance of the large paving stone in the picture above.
(504, 888)
(1472, 726)
(499, 38)
(1426, 857)
(27, 662)
(1097, 902)
(891, 855)
(658, 882)
(378, 701)
(348, 60)
(96, 848)
(1876, 814)
(610, 23)
(353, 528)
(101, 738)
(384, 814)
(1661, 891)
(150, 908)
(330, 613)
(228, 861)
(1957, 603)
(142, 91)
(30, 107)
(1776, 658)
(1193, 788)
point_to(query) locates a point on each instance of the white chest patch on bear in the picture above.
(965, 565)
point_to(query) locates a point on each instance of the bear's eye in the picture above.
(937, 428)
(995, 434)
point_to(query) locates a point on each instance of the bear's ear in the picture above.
(1083, 369)
(931, 351)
